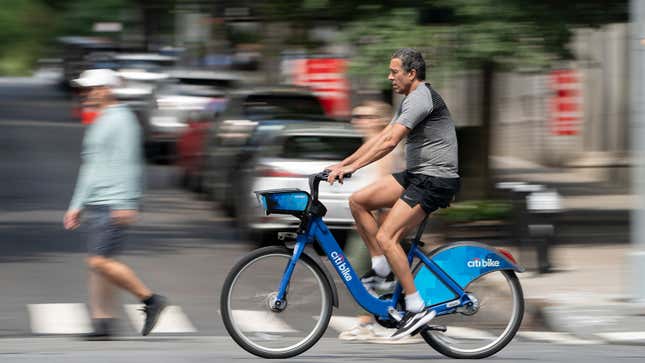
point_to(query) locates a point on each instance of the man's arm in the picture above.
(383, 144)
(364, 148)
(387, 142)
(84, 182)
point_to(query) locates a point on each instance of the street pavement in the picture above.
(222, 349)
(588, 294)
(182, 247)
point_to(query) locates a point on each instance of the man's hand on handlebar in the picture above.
(333, 167)
(340, 172)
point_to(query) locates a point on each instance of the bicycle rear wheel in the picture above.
(245, 304)
(484, 331)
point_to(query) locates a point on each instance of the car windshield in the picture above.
(257, 105)
(207, 82)
(320, 147)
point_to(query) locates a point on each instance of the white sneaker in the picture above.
(360, 332)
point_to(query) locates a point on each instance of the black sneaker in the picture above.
(102, 330)
(412, 322)
(153, 310)
(373, 281)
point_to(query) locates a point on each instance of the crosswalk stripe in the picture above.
(554, 337)
(467, 333)
(260, 321)
(172, 319)
(59, 318)
(625, 336)
(74, 318)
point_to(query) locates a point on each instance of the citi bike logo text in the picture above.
(339, 261)
(478, 262)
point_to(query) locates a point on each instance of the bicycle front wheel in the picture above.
(246, 299)
(486, 329)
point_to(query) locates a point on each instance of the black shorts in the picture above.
(430, 191)
(104, 237)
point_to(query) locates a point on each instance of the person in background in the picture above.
(370, 118)
(107, 193)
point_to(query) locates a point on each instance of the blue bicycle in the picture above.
(276, 302)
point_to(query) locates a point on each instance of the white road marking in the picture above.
(623, 336)
(467, 333)
(172, 319)
(59, 318)
(260, 321)
(554, 337)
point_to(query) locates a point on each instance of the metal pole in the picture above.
(637, 126)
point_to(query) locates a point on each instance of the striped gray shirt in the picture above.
(431, 147)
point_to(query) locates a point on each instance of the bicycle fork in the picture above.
(279, 302)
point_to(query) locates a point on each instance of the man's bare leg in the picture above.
(102, 296)
(381, 194)
(120, 275)
(400, 219)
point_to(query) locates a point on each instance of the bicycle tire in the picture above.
(236, 332)
(441, 343)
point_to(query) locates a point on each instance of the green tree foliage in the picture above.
(30, 26)
(25, 25)
(77, 17)
(466, 34)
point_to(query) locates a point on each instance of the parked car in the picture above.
(285, 160)
(189, 95)
(141, 74)
(230, 140)
(191, 144)
(75, 52)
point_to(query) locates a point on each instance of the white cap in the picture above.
(97, 78)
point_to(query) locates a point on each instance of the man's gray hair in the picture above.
(412, 59)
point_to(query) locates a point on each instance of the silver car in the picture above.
(286, 159)
(187, 95)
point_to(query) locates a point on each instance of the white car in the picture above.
(286, 158)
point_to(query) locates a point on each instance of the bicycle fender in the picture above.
(313, 256)
(466, 261)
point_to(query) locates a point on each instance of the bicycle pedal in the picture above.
(394, 314)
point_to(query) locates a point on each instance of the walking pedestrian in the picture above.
(107, 194)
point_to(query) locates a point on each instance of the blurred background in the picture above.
(237, 96)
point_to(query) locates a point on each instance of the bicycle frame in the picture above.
(317, 231)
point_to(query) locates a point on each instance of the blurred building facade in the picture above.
(582, 123)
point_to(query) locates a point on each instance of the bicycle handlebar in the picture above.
(315, 179)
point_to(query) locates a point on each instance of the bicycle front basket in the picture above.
(284, 201)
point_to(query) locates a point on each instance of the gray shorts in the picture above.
(104, 237)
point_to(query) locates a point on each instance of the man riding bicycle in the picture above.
(429, 182)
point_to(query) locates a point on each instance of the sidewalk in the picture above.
(587, 296)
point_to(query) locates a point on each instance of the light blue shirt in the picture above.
(111, 172)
